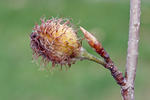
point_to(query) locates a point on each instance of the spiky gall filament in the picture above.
(55, 41)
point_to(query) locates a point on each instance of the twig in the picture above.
(132, 53)
(126, 83)
(94, 43)
(85, 55)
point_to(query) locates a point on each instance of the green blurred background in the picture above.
(20, 79)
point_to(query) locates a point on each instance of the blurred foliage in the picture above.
(20, 79)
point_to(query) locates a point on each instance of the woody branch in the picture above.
(132, 53)
(126, 83)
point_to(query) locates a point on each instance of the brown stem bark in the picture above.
(97, 46)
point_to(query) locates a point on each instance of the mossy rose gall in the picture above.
(55, 41)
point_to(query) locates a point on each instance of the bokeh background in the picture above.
(108, 20)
